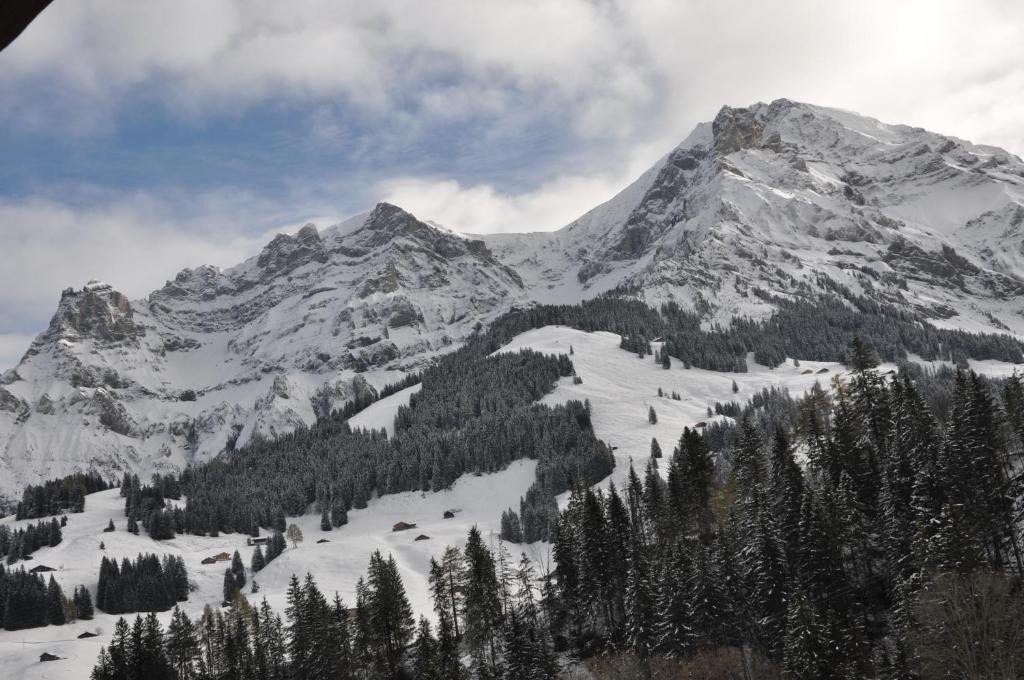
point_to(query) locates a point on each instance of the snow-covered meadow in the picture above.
(620, 387)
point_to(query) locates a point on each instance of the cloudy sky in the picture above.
(142, 137)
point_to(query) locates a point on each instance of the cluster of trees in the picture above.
(147, 505)
(767, 410)
(819, 329)
(146, 584)
(675, 396)
(234, 577)
(28, 601)
(474, 413)
(19, 544)
(240, 643)
(275, 546)
(141, 651)
(489, 611)
(855, 566)
(59, 495)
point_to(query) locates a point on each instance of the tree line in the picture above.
(19, 544)
(145, 584)
(56, 496)
(818, 328)
(146, 505)
(28, 601)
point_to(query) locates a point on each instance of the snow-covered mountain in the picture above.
(792, 198)
(216, 357)
(787, 198)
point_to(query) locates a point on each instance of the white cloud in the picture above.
(635, 71)
(483, 209)
(135, 243)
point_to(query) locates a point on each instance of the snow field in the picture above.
(620, 387)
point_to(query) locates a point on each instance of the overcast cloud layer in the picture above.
(142, 137)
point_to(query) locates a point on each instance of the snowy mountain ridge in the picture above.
(782, 199)
(214, 358)
(792, 199)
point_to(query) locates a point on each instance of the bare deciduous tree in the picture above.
(970, 627)
(294, 535)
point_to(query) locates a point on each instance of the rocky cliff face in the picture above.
(784, 198)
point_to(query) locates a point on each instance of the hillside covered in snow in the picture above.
(619, 386)
(770, 203)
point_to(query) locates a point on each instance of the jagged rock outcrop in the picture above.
(96, 312)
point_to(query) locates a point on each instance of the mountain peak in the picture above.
(96, 311)
(387, 222)
(743, 128)
(286, 252)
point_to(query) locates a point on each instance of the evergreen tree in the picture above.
(640, 607)
(707, 602)
(182, 645)
(653, 501)
(862, 357)
(786, 484)
(151, 659)
(449, 663)
(299, 633)
(424, 653)
(339, 513)
(338, 642)
(230, 585)
(325, 520)
(482, 603)
(389, 615)
(258, 561)
(238, 570)
(511, 530)
(83, 603)
(806, 653)
(55, 603)
(618, 533)
(690, 481)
